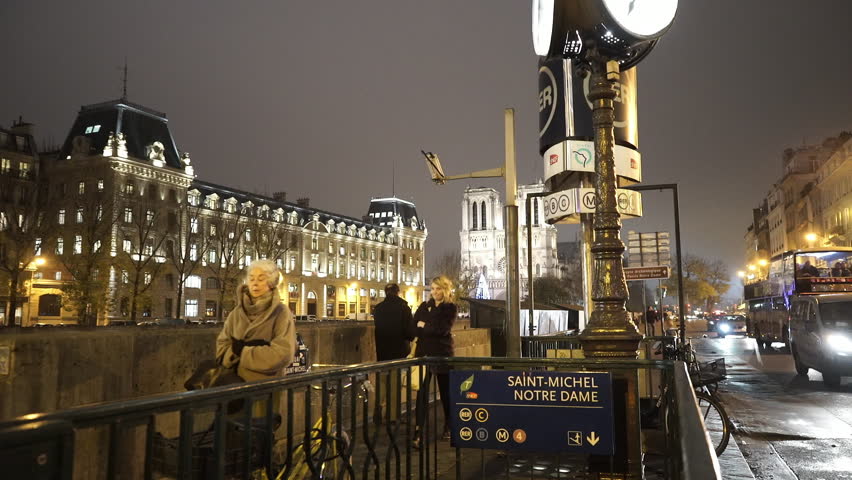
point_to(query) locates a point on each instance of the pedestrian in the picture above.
(651, 319)
(259, 335)
(435, 319)
(394, 329)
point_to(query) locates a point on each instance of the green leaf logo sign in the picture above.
(466, 385)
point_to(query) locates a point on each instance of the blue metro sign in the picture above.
(537, 411)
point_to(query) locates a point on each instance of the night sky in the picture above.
(321, 98)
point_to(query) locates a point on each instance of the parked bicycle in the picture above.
(705, 380)
(330, 446)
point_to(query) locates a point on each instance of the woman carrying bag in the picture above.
(434, 321)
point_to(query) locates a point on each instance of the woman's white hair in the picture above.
(269, 268)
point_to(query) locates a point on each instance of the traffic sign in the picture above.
(532, 411)
(646, 273)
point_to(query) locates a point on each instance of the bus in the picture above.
(808, 271)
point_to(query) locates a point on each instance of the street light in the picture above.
(604, 36)
(811, 238)
(762, 262)
(741, 274)
(509, 172)
(32, 267)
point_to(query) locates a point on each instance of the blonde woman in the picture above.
(434, 320)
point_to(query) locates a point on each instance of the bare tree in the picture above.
(27, 219)
(226, 233)
(464, 279)
(86, 292)
(269, 239)
(140, 256)
(188, 247)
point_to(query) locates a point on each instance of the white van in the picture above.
(821, 335)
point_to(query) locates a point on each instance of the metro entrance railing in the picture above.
(353, 422)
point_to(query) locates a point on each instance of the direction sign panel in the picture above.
(646, 273)
(532, 411)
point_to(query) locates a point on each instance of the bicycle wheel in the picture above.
(715, 421)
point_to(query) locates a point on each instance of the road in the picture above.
(787, 426)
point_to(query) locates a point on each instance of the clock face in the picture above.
(642, 17)
(542, 25)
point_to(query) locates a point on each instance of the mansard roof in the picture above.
(16, 142)
(391, 206)
(307, 213)
(141, 126)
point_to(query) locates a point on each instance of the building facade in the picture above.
(813, 196)
(483, 240)
(138, 236)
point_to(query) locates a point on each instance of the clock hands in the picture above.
(630, 7)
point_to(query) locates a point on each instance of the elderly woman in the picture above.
(259, 336)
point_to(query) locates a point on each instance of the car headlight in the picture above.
(839, 342)
(724, 327)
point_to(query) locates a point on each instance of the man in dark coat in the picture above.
(394, 326)
(651, 318)
(394, 332)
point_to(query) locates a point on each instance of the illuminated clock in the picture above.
(542, 25)
(642, 18)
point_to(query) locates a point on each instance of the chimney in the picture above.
(22, 128)
(279, 196)
(303, 202)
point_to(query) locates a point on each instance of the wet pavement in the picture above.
(788, 426)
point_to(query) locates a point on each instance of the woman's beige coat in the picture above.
(274, 324)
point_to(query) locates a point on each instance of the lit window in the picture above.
(96, 247)
(193, 281)
(193, 252)
(60, 246)
(149, 216)
(191, 309)
(211, 255)
(79, 215)
(61, 218)
(128, 188)
(147, 278)
(128, 215)
(81, 188)
(37, 249)
(78, 244)
(126, 246)
(5, 165)
(193, 225)
(58, 276)
(100, 185)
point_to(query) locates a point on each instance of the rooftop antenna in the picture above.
(393, 178)
(124, 81)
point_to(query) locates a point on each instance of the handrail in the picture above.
(696, 450)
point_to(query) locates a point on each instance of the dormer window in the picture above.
(93, 129)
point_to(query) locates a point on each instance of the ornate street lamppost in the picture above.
(604, 37)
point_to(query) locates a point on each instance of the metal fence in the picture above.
(354, 422)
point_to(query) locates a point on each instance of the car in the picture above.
(306, 318)
(730, 325)
(821, 335)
